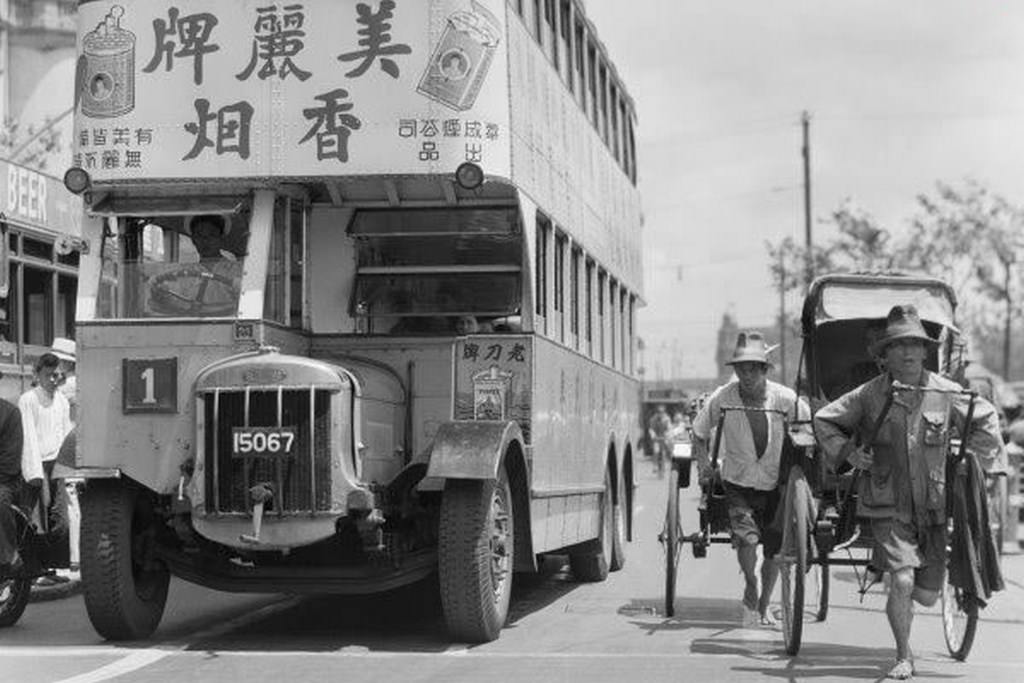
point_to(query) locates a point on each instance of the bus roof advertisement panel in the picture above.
(245, 88)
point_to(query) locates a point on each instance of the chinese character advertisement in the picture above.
(196, 89)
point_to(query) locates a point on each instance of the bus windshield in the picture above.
(179, 266)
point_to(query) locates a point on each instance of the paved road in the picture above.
(558, 631)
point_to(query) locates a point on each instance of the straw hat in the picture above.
(903, 322)
(750, 348)
(64, 349)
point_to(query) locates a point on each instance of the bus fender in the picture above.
(470, 449)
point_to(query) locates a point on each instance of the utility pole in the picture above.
(805, 122)
(1009, 318)
(782, 319)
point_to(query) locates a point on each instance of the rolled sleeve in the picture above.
(984, 438)
(836, 422)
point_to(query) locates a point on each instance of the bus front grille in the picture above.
(301, 482)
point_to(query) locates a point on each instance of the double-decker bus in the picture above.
(359, 303)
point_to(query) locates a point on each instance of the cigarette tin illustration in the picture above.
(490, 394)
(107, 87)
(460, 60)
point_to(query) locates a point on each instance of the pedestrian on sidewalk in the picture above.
(46, 421)
(903, 492)
(751, 454)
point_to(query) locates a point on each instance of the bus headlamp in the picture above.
(469, 176)
(77, 180)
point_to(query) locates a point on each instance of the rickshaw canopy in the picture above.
(845, 297)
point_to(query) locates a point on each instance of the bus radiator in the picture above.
(300, 480)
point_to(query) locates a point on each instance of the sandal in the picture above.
(903, 670)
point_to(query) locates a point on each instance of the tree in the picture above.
(967, 236)
(30, 145)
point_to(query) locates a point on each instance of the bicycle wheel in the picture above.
(959, 620)
(793, 556)
(673, 541)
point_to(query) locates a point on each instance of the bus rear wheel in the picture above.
(125, 586)
(619, 520)
(475, 556)
(592, 562)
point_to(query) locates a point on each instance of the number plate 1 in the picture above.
(149, 385)
(263, 442)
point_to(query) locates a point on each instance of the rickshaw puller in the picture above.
(902, 492)
(750, 455)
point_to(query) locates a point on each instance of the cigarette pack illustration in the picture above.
(460, 60)
(107, 68)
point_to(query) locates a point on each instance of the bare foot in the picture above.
(903, 670)
(768, 619)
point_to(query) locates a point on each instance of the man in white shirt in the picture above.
(46, 420)
(750, 453)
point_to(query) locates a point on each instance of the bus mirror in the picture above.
(5, 270)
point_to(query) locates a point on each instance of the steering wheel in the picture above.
(169, 292)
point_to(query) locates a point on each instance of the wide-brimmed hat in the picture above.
(64, 349)
(750, 348)
(903, 322)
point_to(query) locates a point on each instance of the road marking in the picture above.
(132, 662)
(139, 659)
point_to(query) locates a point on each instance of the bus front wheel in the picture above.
(475, 556)
(125, 586)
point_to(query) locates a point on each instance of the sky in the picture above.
(901, 94)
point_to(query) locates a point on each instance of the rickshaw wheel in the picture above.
(673, 542)
(475, 556)
(794, 565)
(959, 620)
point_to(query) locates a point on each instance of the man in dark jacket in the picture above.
(10, 480)
(903, 490)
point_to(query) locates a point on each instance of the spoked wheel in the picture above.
(671, 537)
(959, 620)
(793, 558)
(125, 585)
(475, 556)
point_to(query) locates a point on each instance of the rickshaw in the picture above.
(818, 520)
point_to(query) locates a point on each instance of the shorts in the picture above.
(752, 517)
(898, 546)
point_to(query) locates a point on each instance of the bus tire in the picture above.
(476, 556)
(619, 537)
(592, 561)
(125, 592)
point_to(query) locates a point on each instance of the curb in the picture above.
(57, 592)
